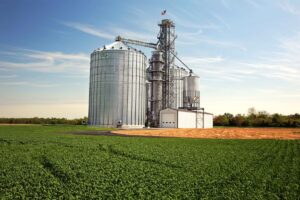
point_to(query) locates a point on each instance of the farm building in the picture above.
(182, 118)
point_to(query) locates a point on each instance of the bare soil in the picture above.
(222, 133)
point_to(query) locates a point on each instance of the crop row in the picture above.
(36, 163)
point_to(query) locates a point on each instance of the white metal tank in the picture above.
(117, 94)
(191, 92)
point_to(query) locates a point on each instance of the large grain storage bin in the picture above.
(117, 95)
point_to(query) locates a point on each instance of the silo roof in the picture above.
(115, 45)
(118, 45)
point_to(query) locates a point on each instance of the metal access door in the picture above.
(168, 120)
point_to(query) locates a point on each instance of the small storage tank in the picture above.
(117, 94)
(191, 92)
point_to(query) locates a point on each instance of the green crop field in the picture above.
(41, 162)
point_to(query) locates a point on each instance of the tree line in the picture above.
(252, 119)
(38, 120)
(257, 119)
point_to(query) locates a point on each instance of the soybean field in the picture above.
(43, 162)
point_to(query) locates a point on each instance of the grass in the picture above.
(40, 162)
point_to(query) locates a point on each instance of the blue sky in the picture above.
(246, 52)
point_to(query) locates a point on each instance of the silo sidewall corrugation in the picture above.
(117, 88)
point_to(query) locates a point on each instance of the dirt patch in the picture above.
(222, 133)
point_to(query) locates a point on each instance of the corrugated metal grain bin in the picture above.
(191, 92)
(117, 94)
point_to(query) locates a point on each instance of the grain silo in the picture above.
(123, 93)
(117, 95)
(191, 92)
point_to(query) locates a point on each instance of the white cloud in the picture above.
(225, 3)
(283, 63)
(44, 61)
(280, 65)
(215, 69)
(221, 20)
(193, 39)
(201, 60)
(140, 18)
(144, 36)
(8, 76)
(254, 3)
(286, 6)
(5, 70)
(89, 30)
(111, 31)
(30, 84)
(191, 24)
(192, 34)
(278, 93)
